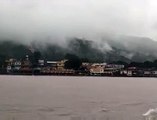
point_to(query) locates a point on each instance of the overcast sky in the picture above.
(59, 19)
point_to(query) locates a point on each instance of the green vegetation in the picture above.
(73, 62)
(76, 51)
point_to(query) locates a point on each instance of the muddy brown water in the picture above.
(76, 98)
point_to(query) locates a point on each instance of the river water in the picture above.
(76, 98)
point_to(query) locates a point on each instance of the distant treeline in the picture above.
(146, 64)
(85, 50)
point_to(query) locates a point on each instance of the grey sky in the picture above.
(60, 19)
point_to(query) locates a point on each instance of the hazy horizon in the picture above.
(57, 20)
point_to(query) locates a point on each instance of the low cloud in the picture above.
(57, 20)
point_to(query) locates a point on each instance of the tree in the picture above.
(73, 62)
(2, 60)
(85, 60)
(136, 64)
(148, 64)
(155, 63)
(120, 63)
(35, 57)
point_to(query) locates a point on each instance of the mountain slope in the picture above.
(123, 48)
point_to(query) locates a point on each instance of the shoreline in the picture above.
(79, 76)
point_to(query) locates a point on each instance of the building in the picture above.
(154, 73)
(41, 63)
(61, 64)
(26, 65)
(96, 70)
(114, 66)
(56, 64)
(150, 73)
(112, 69)
(13, 65)
(130, 72)
(52, 64)
(17, 65)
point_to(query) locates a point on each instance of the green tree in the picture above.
(73, 62)
(148, 64)
(2, 60)
(35, 57)
(155, 63)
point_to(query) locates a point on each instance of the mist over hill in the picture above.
(109, 49)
